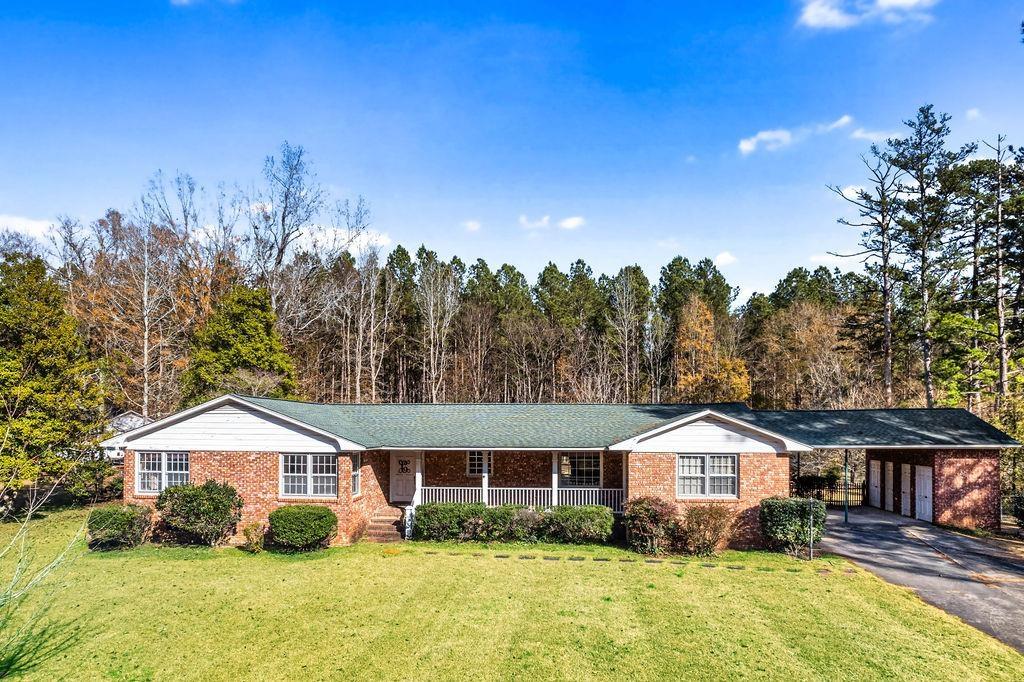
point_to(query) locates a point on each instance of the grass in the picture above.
(436, 611)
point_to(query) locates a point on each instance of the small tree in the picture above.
(239, 350)
(203, 514)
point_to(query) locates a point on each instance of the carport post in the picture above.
(846, 487)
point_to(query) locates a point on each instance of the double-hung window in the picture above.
(158, 470)
(309, 475)
(707, 476)
(579, 470)
(475, 462)
(357, 474)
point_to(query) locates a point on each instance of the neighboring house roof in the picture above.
(127, 421)
(590, 426)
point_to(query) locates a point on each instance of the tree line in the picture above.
(277, 290)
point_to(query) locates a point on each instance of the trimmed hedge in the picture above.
(1017, 508)
(651, 525)
(577, 525)
(784, 521)
(200, 514)
(448, 521)
(300, 527)
(118, 527)
(705, 527)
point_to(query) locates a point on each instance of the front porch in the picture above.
(531, 478)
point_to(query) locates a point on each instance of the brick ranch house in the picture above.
(373, 464)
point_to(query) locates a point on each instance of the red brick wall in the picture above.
(760, 476)
(965, 484)
(256, 477)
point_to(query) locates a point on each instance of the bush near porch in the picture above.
(447, 521)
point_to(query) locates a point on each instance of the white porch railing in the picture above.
(578, 497)
(531, 497)
(451, 494)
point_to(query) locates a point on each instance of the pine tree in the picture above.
(49, 388)
(239, 350)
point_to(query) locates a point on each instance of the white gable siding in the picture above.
(707, 436)
(233, 427)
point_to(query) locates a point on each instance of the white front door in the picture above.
(888, 486)
(905, 489)
(403, 476)
(923, 492)
(874, 482)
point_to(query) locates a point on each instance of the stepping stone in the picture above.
(765, 569)
(577, 558)
(430, 552)
(710, 565)
(794, 570)
(478, 553)
(601, 558)
(454, 554)
(653, 561)
(737, 568)
(527, 556)
(552, 558)
(824, 571)
(501, 556)
(679, 563)
(627, 561)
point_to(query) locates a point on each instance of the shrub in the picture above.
(118, 527)
(203, 514)
(444, 521)
(510, 523)
(784, 521)
(650, 525)
(94, 480)
(254, 534)
(1017, 509)
(704, 527)
(302, 526)
(576, 525)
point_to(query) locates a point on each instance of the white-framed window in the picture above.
(707, 476)
(155, 471)
(579, 470)
(357, 474)
(309, 475)
(475, 462)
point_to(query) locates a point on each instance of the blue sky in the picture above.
(521, 132)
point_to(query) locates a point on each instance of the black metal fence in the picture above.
(836, 494)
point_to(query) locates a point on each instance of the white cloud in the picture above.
(472, 225)
(973, 114)
(528, 224)
(852, 191)
(842, 14)
(871, 135)
(777, 138)
(572, 223)
(826, 14)
(724, 258)
(368, 240)
(30, 227)
(770, 140)
(840, 122)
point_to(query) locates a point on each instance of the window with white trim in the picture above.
(357, 474)
(155, 471)
(475, 462)
(707, 476)
(309, 475)
(579, 470)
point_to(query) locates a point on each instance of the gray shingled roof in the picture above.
(598, 426)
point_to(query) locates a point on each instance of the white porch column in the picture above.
(485, 477)
(417, 495)
(554, 479)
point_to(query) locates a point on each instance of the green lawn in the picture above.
(417, 611)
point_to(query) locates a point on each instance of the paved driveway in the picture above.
(966, 577)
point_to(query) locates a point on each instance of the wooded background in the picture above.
(190, 293)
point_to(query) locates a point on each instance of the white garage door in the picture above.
(923, 492)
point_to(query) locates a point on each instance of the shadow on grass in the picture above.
(34, 643)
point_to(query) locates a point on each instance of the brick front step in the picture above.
(385, 526)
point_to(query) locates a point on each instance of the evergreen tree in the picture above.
(49, 388)
(239, 350)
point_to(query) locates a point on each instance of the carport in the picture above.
(934, 465)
